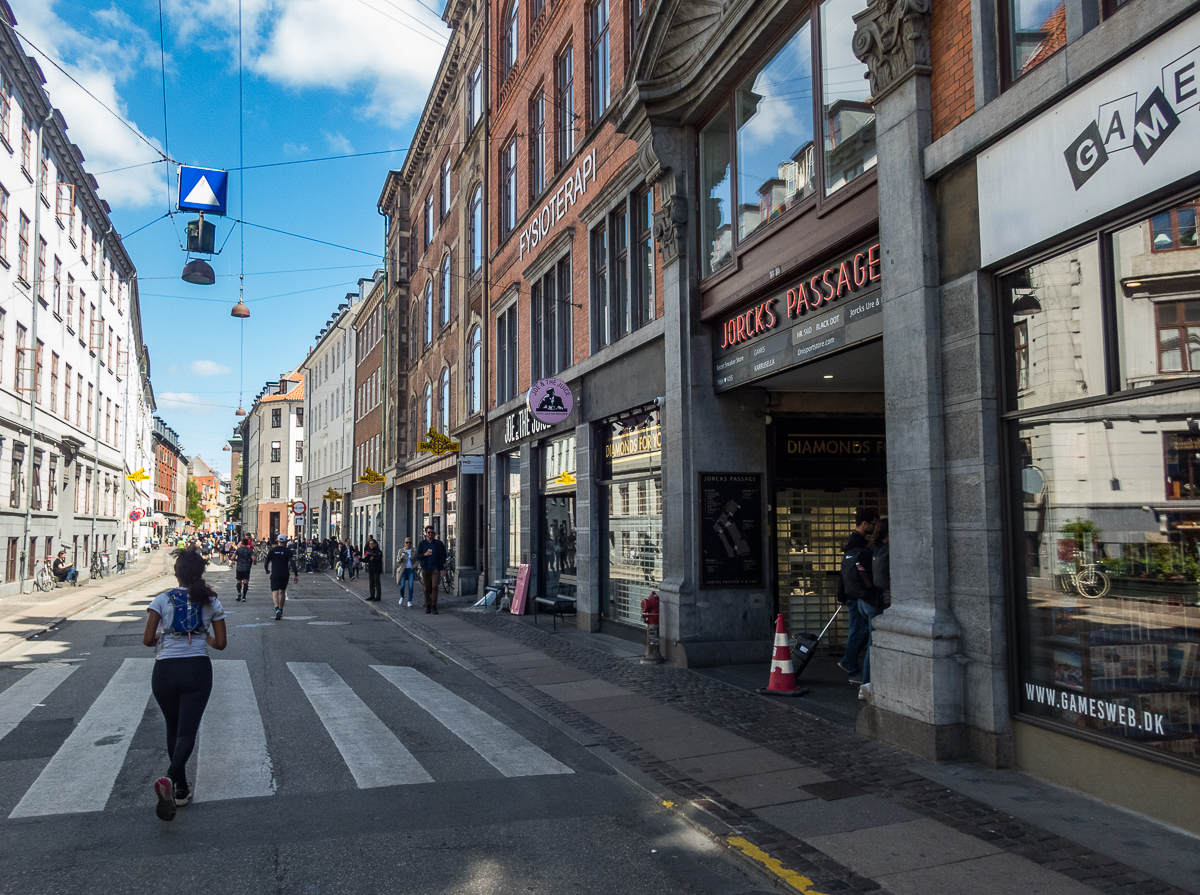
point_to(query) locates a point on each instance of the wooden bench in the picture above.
(562, 602)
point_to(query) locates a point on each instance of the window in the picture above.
(445, 187)
(849, 118)
(510, 40)
(299, 417)
(537, 144)
(5, 108)
(611, 279)
(19, 359)
(506, 355)
(446, 289)
(276, 418)
(430, 221)
(67, 392)
(82, 331)
(23, 249)
(108, 420)
(475, 95)
(1036, 30)
(39, 275)
(474, 372)
(635, 19)
(444, 402)
(57, 289)
(1174, 229)
(414, 425)
(476, 234)
(3, 224)
(38, 354)
(18, 465)
(52, 484)
(564, 85)
(1178, 336)
(299, 486)
(550, 313)
(53, 382)
(428, 417)
(37, 490)
(26, 146)
(508, 188)
(79, 402)
(599, 279)
(299, 451)
(275, 487)
(70, 318)
(642, 310)
(276, 451)
(428, 311)
(599, 63)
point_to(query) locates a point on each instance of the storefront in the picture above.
(1099, 305)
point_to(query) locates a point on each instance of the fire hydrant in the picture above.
(650, 617)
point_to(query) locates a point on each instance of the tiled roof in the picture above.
(296, 394)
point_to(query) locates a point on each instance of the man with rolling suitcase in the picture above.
(854, 580)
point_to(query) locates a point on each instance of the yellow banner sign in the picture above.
(330, 494)
(371, 477)
(438, 444)
(567, 478)
(139, 476)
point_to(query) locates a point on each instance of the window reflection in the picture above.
(849, 118)
(715, 194)
(1036, 30)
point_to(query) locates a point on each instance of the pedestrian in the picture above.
(181, 624)
(373, 558)
(278, 566)
(243, 559)
(406, 563)
(875, 600)
(431, 554)
(856, 554)
(63, 570)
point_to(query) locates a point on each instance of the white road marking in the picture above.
(372, 752)
(80, 776)
(20, 699)
(232, 758)
(501, 746)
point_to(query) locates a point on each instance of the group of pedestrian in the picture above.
(865, 588)
(428, 558)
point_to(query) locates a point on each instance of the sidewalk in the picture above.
(808, 800)
(25, 615)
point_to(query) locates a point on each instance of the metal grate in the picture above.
(811, 528)
(634, 535)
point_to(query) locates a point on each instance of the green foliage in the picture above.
(1084, 531)
(194, 511)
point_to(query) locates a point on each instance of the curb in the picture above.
(745, 853)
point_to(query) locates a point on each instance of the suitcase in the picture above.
(806, 645)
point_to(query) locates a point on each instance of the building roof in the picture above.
(295, 394)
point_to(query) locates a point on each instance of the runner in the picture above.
(181, 624)
(278, 566)
(244, 557)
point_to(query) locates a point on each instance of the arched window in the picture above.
(510, 40)
(445, 402)
(446, 290)
(475, 370)
(413, 334)
(414, 427)
(428, 421)
(428, 312)
(476, 234)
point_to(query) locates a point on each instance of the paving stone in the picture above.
(1001, 874)
(900, 847)
(742, 763)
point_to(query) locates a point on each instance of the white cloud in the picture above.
(208, 368)
(101, 63)
(338, 143)
(291, 149)
(389, 47)
(186, 402)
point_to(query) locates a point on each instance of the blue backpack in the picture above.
(188, 618)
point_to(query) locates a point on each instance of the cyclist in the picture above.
(63, 570)
(278, 566)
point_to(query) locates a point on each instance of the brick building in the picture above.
(170, 469)
(366, 516)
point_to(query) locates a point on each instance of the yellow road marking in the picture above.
(797, 881)
(668, 804)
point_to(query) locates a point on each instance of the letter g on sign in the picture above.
(1086, 155)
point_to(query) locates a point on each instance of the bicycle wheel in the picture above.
(1092, 583)
(44, 579)
(448, 580)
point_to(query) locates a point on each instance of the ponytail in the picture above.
(189, 571)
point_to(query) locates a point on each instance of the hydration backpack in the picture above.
(188, 618)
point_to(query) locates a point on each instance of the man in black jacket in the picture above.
(373, 559)
(244, 557)
(859, 544)
(431, 555)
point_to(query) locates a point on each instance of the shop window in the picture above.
(550, 313)
(1181, 461)
(476, 228)
(1035, 30)
(771, 141)
(599, 73)
(506, 355)
(475, 371)
(445, 277)
(508, 188)
(510, 508)
(564, 85)
(537, 144)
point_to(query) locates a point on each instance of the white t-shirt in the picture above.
(171, 646)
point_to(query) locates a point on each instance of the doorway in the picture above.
(274, 525)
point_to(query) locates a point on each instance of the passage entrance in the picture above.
(825, 469)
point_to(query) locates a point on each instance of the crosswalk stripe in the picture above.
(502, 747)
(372, 752)
(232, 761)
(80, 776)
(19, 700)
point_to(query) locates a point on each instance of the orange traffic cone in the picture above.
(783, 677)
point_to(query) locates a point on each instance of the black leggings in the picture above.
(181, 688)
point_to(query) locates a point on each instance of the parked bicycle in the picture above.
(43, 578)
(320, 562)
(99, 566)
(448, 572)
(1088, 580)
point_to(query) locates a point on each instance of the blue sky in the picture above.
(320, 78)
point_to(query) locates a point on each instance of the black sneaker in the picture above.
(166, 798)
(278, 613)
(182, 796)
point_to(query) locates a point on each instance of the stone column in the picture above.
(917, 678)
(588, 504)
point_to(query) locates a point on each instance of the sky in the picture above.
(319, 78)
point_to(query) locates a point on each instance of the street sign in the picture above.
(550, 401)
(203, 189)
(371, 477)
(470, 464)
(299, 507)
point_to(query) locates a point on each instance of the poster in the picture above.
(731, 530)
(520, 590)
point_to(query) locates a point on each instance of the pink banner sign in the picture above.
(520, 590)
(550, 401)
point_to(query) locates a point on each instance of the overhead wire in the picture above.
(162, 56)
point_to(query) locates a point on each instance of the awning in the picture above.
(442, 464)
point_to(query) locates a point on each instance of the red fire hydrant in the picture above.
(650, 617)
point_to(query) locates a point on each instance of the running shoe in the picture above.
(410, 604)
(182, 796)
(278, 613)
(166, 798)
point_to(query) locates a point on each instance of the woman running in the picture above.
(181, 624)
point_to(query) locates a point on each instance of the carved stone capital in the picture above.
(661, 156)
(669, 220)
(892, 38)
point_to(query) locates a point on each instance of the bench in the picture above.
(562, 602)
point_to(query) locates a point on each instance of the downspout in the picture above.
(487, 300)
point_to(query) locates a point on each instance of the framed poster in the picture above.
(731, 529)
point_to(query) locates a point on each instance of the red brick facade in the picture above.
(953, 79)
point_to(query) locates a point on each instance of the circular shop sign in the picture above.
(550, 401)
(298, 507)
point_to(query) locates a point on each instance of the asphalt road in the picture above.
(337, 755)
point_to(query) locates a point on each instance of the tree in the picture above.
(194, 511)
(234, 511)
